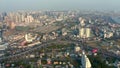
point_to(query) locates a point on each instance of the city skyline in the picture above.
(59, 34)
(14, 5)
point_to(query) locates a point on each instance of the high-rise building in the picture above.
(29, 19)
(81, 32)
(12, 25)
(84, 32)
(82, 21)
(85, 61)
(88, 30)
(22, 18)
(1, 34)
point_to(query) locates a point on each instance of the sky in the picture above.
(13, 5)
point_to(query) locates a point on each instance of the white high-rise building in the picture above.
(29, 19)
(88, 32)
(85, 61)
(84, 32)
(23, 18)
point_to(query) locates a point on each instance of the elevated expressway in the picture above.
(22, 55)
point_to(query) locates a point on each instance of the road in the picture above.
(23, 55)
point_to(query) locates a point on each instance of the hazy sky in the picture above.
(11, 5)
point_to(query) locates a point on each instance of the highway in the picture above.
(23, 55)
